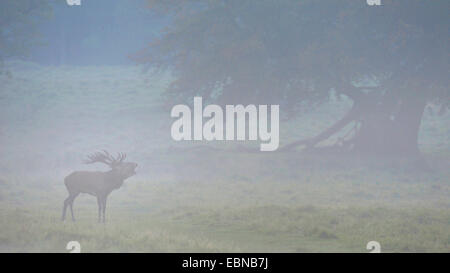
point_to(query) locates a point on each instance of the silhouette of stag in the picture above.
(98, 184)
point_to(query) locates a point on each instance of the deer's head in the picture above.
(117, 164)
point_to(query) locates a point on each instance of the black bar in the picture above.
(229, 262)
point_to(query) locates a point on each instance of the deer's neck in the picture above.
(114, 179)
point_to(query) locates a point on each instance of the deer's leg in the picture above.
(66, 203)
(104, 208)
(100, 204)
(72, 198)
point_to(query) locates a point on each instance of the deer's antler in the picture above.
(105, 158)
(121, 157)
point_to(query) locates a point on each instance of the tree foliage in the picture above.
(288, 51)
(18, 23)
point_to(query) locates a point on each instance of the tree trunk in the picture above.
(383, 132)
(389, 128)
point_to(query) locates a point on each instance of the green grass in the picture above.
(256, 229)
(251, 204)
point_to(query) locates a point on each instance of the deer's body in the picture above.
(93, 183)
(98, 184)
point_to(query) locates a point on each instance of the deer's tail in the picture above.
(67, 180)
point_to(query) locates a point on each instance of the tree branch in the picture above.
(311, 142)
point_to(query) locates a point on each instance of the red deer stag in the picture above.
(98, 184)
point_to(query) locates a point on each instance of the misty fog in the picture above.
(105, 76)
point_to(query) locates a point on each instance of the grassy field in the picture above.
(246, 210)
(203, 200)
